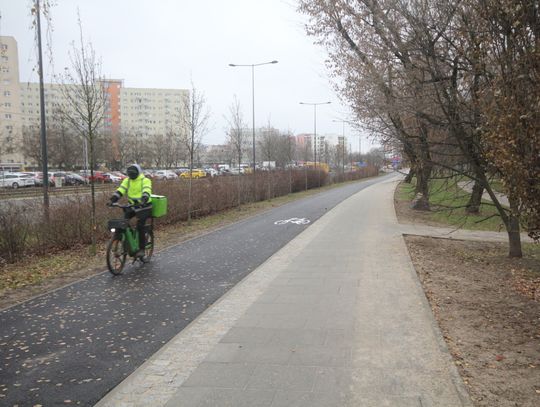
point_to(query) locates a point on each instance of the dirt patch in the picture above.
(405, 214)
(488, 308)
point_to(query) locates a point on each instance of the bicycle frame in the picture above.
(132, 237)
(126, 233)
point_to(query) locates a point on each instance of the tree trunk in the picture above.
(93, 194)
(421, 200)
(290, 180)
(409, 176)
(512, 226)
(473, 206)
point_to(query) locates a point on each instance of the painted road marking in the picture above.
(297, 221)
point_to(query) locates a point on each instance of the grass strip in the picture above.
(77, 262)
(448, 207)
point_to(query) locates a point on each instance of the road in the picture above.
(73, 345)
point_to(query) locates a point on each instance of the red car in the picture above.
(99, 178)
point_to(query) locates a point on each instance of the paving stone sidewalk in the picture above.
(335, 318)
(460, 234)
(468, 187)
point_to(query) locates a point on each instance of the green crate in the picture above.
(159, 206)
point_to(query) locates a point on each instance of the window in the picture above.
(5, 58)
(3, 47)
(7, 93)
(7, 104)
(7, 116)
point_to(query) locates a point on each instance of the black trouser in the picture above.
(142, 215)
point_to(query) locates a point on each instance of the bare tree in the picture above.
(31, 143)
(195, 116)
(237, 138)
(64, 144)
(288, 150)
(84, 105)
(269, 143)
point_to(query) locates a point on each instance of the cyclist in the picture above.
(139, 192)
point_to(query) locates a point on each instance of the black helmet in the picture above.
(133, 171)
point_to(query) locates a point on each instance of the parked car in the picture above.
(38, 179)
(15, 180)
(119, 174)
(237, 170)
(114, 178)
(196, 173)
(164, 174)
(73, 179)
(180, 170)
(99, 177)
(211, 172)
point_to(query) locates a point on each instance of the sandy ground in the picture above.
(488, 308)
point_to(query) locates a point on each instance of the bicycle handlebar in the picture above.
(117, 205)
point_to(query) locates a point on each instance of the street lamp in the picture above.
(253, 100)
(315, 130)
(359, 137)
(342, 145)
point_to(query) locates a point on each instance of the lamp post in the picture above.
(43, 131)
(359, 147)
(315, 131)
(253, 100)
(342, 145)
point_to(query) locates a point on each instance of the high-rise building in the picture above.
(127, 110)
(10, 103)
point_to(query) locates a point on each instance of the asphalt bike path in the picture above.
(73, 345)
(336, 318)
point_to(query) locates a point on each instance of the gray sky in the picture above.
(165, 43)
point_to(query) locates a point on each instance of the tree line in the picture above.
(453, 84)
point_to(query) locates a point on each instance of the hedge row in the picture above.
(24, 232)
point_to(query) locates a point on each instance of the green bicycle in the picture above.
(125, 241)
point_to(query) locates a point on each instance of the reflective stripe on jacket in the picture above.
(135, 188)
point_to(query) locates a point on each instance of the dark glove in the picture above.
(144, 199)
(114, 198)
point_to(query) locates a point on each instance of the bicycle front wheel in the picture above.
(116, 256)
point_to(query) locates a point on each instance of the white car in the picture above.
(15, 180)
(165, 174)
(211, 172)
(114, 178)
(237, 170)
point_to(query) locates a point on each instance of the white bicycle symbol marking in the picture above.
(297, 221)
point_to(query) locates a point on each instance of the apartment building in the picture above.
(305, 141)
(144, 111)
(10, 102)
(151, 111)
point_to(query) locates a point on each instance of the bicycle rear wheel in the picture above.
(116, 256)
(149, 248)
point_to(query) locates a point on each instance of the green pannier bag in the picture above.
(159, 206)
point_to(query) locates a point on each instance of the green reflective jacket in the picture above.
(135, 188)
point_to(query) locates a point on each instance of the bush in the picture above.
(22, 229)
(14, 230)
